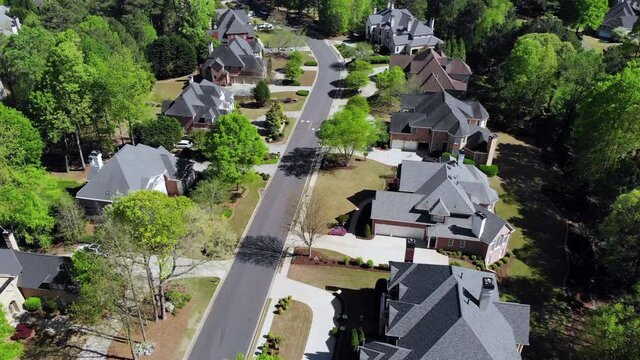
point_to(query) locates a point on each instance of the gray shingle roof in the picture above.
(237, 53)
(203, 100)
(9, 264)
(233, 22)
(434, 313)
(34, 270)
(439, 112)
(624, 14)
(130, 169)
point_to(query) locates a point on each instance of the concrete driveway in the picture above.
(392, 157)
(380, 249)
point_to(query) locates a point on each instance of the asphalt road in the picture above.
(230, 325)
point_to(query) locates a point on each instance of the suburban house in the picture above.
(624, 15)
(399, 31)
(199, 105)
(133, 168)
(238, 61)
(439, 122)
(446, 312)
(24, 274)
(434, 71)
(446, 205)
(9, 25)
(232, 24)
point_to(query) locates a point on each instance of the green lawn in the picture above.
(335, 255)
(335, 187)
(293, 326)
(343, 277)
(597, 44)
(167, 89)
(246, 104)
(243, 209)
(201, 290)
(267, 37)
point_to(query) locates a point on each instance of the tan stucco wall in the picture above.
(9, 294)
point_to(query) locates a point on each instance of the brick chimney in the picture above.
(485, 292)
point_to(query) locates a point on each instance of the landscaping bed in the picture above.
(320, 257)
(173, 335)
(290, 330)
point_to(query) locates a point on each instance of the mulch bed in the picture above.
(301, 257)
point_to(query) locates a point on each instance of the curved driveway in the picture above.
(230, 325)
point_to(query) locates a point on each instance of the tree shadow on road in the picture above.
(298, 162)
(261, 250)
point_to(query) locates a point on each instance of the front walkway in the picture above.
(323, 304)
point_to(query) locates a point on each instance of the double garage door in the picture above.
(404, 145)
(399, 231)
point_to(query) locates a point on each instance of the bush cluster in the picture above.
(302, 92)
(489, 170)
(283, 304)
(369, 264)
(343, 219)
(360, 65)
(33, 303)
(226, 213)
(272, 345)
(334, 331)
(310, 63)
(265, 176)
(378, 59)
(383, 266)
(23, 331)
(359, 261)
(178, 298)
(346, 260)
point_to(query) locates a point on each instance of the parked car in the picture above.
(184, 144)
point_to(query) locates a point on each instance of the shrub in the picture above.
(359, 261)
(465, 257)
(265, 176)
(505, 260)
(440, 251)
(359, 102)
(338, 230)
(226, 213)
(361, 335)
(367, 231)
(177, 298)
(454, 263)
(447, 154)
(378, 59)
(498, 264)
(289, 298)
(360, 65)
(370, 264)
(50, 305)
(281, 310)
(469, 162)
(355, 80)
(492, 267)
(489, 170)
(302, 92)
(310, 63)
(343, 219)
(509, 253)
(334, 331)
(261, 93)
(383, 266)
(474, 258)
(346, 260)
(355, 339)
(23, 331)
(33, 303)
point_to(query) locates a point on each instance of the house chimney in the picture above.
(432, 23)
(375, 10)
(391, 22)
(461, 159)
(392, 5)
(478, 221)
(409, 23)
(210, 47)
(10, 240)
(485, 292)
(95, 160)
(190, 79)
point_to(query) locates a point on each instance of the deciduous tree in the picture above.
(20, 143)
(355, 80)
(261, 93)
(162, 131)
(590, 13)
(348, 131)
(611, 333)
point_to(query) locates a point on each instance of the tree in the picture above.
(360, 10)
(9, 349)
(619, 247)
(70, 221)
(590, 13)
(392, 80)
(274, 119)
(209, 194)
(293, 69)
(309, 224)
(611, 333)
(493, 16)
(359, 102)
(360, 65)
(607, 130)
(234, 146)
(20, 143)
(162, 131)
(334, 16)
(417, 7)
(171, 56)
(348, 131)
(261, 93)
(355, 80)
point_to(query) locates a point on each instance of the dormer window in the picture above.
(437, 218)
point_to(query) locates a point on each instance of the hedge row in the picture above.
(378, 59)
(302, 92)
(310, 63)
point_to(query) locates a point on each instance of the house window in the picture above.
(462, 243)
(437, 218)
(450, 242)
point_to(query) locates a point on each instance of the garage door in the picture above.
(410, 146)
(399, 231)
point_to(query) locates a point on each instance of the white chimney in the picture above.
(461, 159)
(392, 5)
(409, 23)
(391, 22)
(210, 47)
(478, 221)
(375, 10)
(190, 79)
(10, 240)
(485, 292)
(432, 23)
(95, 160)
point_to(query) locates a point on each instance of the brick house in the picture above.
(133, 168)
(199, 105)
(399, 31)
(232, 24)
(434, 71)
(438, 122)
(446, 312)
(238, 61)
(445, 205)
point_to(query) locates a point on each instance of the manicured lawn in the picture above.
(173, 335)
(308, 78)
(247, 105)
(342, 189)
(331, 254)
(268, 36)
(293, 326)
(243, 208)
(597, 44)
(167, 89)
(343, 277)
